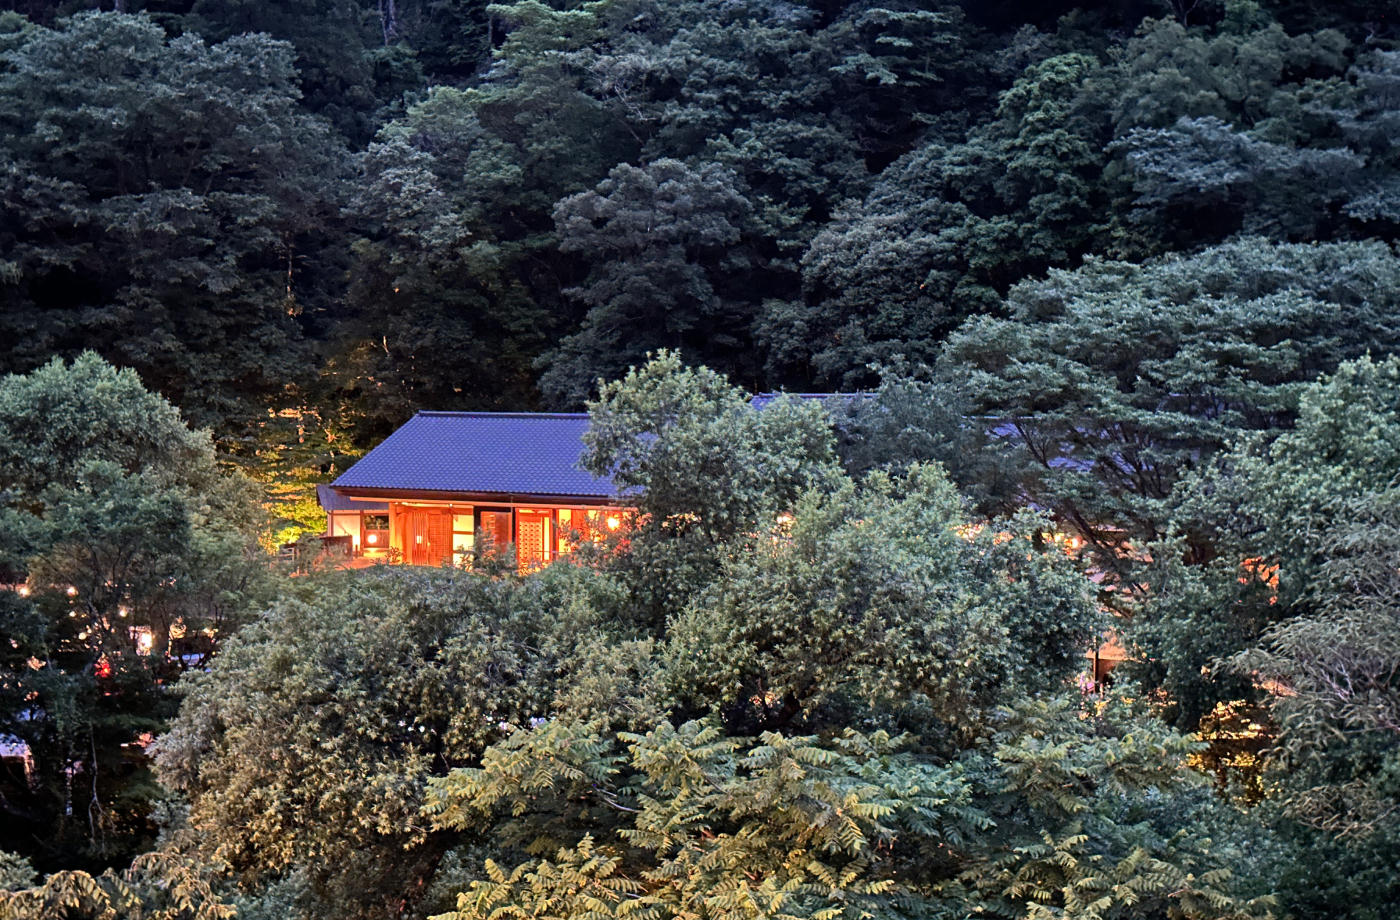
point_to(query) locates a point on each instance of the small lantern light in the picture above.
(371, 538)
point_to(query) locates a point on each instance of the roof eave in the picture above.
(476, 498)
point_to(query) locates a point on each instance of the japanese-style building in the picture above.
(448, 484)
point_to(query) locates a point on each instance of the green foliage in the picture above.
(155, 887)
(1116, 378)
(160, 199)
(816, 825)
(879, 600)
(117, 520)
(683, 442)
(648, 233)
(864, 710)
(440, 315)
(682, 820)
(308, 744)
(15, 872)
(944, 229)
(914, 416)
(1307, 625)
(702, 467)
(303, 221)
(342, 74)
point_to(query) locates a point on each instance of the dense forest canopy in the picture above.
(369, 208)
(1118, 288)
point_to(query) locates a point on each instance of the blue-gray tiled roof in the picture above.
(506, 453)
(329, 500)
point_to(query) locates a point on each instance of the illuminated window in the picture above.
(463, 537)
(141, 635)
(495, 530)
(376, 531)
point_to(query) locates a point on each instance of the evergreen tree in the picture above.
(165, 202)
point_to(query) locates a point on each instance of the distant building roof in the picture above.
(330, 500)
(534, 454)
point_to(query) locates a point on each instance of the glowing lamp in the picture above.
(72, 591)
(372, 538)
(418, 539)
(614, 522)
(24, 590)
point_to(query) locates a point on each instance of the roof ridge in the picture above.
(465, 414)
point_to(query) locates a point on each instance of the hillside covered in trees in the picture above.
(1119, 286)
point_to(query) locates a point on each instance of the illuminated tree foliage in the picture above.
(155, 887)
(122, 536)
(1221, 343)
(851, 711)
(1292, 620)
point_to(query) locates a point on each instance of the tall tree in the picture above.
(1113, 380)
(668, 270)
(122, 536)
(350, 62)
(1291, 624)
(167, 203)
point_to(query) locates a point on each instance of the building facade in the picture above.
(449, 485)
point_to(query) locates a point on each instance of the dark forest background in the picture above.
(303, 221)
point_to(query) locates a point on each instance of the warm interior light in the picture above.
(614, 522)
(372, 538)
(784, 519)
(418, 539)
(24, 590)
(72, 591)
(121, 611)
